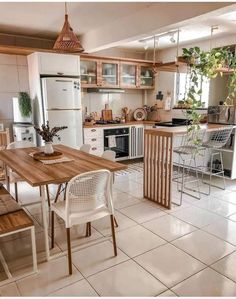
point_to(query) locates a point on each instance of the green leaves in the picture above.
(25, 104)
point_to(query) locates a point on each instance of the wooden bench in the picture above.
(14, 219)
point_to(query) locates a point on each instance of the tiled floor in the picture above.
(188, 251)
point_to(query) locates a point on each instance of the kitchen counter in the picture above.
(182, 129)
(130, 123)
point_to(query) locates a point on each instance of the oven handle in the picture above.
(122, 135)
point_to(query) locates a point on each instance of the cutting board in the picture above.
(107, 114)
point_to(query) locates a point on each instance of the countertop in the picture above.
(130, 123)
(182, 129)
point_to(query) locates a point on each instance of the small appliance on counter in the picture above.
(222, 114)
(174, 123)
(23, 128)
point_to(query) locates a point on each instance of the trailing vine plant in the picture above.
(206, 65)
(25, 104)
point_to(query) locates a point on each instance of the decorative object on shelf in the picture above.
(168, 101)
(25, 106)
(139, 114)
(1, 127)
(47, 135)
(67, 41)
(153, 113)
(159, 96)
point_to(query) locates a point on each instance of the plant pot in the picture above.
(48, 148)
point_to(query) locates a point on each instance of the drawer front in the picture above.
(96, 150)
(94, 141)
(93, 132)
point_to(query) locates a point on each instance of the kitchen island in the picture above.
(158, 161)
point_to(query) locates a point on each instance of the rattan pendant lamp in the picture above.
(67, 41)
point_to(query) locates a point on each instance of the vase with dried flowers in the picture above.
(47, 135)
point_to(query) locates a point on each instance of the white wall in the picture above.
(13, 78)
(95, 102)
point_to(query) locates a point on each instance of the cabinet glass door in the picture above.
(146, 77)
(128, 75)
(88, 70)
(109, 74)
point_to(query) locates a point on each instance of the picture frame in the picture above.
(1, 127)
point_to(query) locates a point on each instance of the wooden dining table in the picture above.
(38, 174)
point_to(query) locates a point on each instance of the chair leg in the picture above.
(115, 221)
(52, 229)
(34, 252)
(40, 192)
(48, 196)
(87, 229)
(113, 234)
(69, 250)
(8, 184)
(16, 192)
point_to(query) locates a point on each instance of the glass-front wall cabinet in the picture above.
(128, 75)
(110, 74)
(88, 70)
(146, 77)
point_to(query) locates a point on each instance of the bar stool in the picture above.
(187, 152)
(216, 140)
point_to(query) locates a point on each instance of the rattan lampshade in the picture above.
(67, 41)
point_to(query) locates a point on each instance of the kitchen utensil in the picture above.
(107, 114)
(139, 114)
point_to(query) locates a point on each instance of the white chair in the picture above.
(88, 198)
(109, 155)
(13, 177)
(85, 148)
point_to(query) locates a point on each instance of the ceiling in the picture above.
(226, 24)
(45, 19)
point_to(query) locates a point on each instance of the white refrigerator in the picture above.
(62, 107)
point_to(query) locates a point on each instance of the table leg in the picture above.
(45, 223)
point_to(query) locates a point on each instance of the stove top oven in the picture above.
(117, 140)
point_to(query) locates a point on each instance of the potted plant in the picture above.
(47, 135)
(25, 104)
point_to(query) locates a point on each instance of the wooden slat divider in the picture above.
(158, 166)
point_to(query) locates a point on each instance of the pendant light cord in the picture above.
(66, 8)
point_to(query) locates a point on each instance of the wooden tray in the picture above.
(43, 156)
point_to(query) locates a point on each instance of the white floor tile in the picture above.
(169, 227)
(196, 216)
(142, 212)
(206, 283)
(122, 200)
(78, 289)
(217, 206)
(96, 258)
(168, 293)
(169, 264)
(126, 279)
(103, 225)
(77, 236)
(137, 240)
(227, 266)
(224, 229)
(9, 290)
(204, 246)
(52, 276)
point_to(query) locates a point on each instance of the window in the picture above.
(182, 83)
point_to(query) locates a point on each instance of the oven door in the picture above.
(121, 146)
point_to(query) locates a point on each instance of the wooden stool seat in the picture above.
(14, 219)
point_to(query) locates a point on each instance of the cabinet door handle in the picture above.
(94, 148)
(93, 130)
(94, 139)
(59, 73)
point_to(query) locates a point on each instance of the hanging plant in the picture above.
(206, 65)
(25, 104)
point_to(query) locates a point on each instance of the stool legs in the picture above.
(69, 250)
(34, 252)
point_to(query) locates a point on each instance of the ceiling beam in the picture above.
(155, 18)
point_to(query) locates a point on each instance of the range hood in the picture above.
(105, 90)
